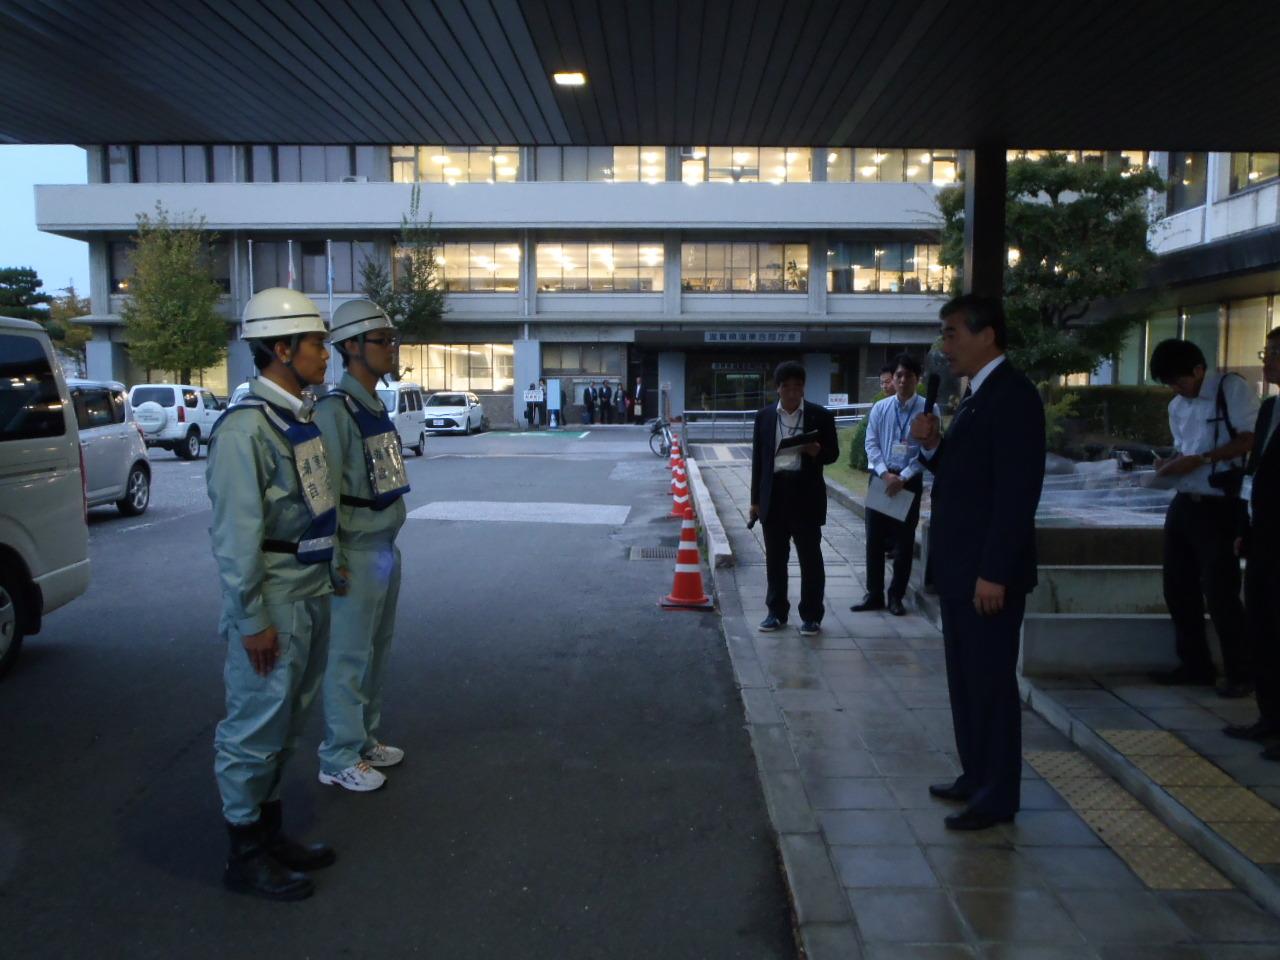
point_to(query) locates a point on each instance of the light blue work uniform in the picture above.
(270, 490)
(370, 483)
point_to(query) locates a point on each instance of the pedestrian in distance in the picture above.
(542, 404)
(370, 483)
(620, 405)
(988, 474)
(637, 401)
(1260, 546)
(531, 410)
(893, 455)
(1211, 418)
(605, 399)
(886, 380)
(589, 402)
(791, 442)
(272, 534)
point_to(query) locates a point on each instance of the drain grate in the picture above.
(653, 553)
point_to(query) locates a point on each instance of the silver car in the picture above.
(117, 469)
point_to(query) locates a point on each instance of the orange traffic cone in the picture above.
(686, 592)
(679, 497)
(675, 456)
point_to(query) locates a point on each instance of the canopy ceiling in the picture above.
(951, 73)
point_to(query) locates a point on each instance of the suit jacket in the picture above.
(1264, 464)
(589, 397)
(606, 395)
(989, 470)
(813, 487)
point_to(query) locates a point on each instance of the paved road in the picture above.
(579, 782)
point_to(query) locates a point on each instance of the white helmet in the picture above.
(356, 317)
(277, 312)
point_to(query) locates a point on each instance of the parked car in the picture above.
(403, 401)
(175, 416)
(44, 534)
(455, 413)
(115, 456)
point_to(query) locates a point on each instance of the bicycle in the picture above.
(660, 438)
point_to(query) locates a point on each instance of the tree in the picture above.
(20, 295)
(170, 315)
(1076, 233)
(69, 336)
(415, 300)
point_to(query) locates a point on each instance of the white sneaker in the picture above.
(383, 755)
(360, 778)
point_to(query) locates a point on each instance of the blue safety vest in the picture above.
(384, 463)
(316, 545)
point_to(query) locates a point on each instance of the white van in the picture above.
(403, 401)
(44, 532)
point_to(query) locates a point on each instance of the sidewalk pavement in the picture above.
(850, 727)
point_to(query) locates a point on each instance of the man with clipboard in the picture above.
(897, 483)
(791, 443)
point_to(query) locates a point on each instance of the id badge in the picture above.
(899, 452)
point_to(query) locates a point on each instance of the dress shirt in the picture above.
(789, 425)
(889, 422)
(1191, 421)
(283, 398)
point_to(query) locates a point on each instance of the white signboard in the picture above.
(533, 396)
(837, 399)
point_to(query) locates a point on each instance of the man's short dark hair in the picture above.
(979, 313)
(788, 370)
(1175, 358)
(1273, 333)
(264, 351)
(907, 362)
(889, 368)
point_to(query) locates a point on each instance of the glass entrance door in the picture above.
(738, 390)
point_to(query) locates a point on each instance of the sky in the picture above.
(56, 259)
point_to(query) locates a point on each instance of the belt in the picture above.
(350, 501)
(279, 546)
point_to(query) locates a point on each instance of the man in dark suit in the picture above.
(789, 496)
(1260, 545)
(988, 471)
(605, 399)
(589, 401)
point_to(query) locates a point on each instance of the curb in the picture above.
(1233, 864)
(719, 552)
(844, 496)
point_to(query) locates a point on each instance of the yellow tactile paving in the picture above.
(1146, 743)
(1182, 771)
(1260, 842)
(1063, 764)
(1173, 868)
(1093, 793)
(1226, 803)
(1130, 828)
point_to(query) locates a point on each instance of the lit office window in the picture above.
(431, 164)
(1187, 183)
(121, 265)
(477, 367)
(885, 266)
(746, 164)
(607, 266)
(1250, 169)
(601, 164)
(884, 165)
(755, 267)
(473, 266)
(1246, 332)
(583, 360)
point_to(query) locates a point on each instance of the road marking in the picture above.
(497, 511)
(550, 434)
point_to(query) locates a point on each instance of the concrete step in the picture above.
(1099, 589)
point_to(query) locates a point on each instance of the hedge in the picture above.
(1140, 414)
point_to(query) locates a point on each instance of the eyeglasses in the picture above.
(1269, 352)
(383, 341)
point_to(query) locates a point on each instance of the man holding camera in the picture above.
(1211, 418)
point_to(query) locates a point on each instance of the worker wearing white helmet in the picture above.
(273, 528)
(370, 481)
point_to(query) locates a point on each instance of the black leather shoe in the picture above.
(771, 623)
(896, 608)
(970, 820)
(290, 853)
(1182, 677)
(252, 870)
(868, 603)
(949, 791)
(1262, 730)
(810, 628)
(1272, 752)
(1229, 690)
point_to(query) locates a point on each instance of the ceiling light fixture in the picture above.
(566, 78)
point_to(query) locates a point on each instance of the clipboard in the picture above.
(878, 500)
(800, 440)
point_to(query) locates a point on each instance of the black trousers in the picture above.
(982, 664)
(1262, 613)
(885, 533)
(790, 520)
(1200, 565)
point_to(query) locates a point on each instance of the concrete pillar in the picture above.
(984, 203)
(96, 163)
(527, 366)
(240, 364)
(99, 277)
(819, 164)
(818, 274)
(817, 380)
(528, 274)
(671, 273)
(104, 358)
(671, 383)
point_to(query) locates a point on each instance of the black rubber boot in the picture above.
(294, 855)
(252, 870)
